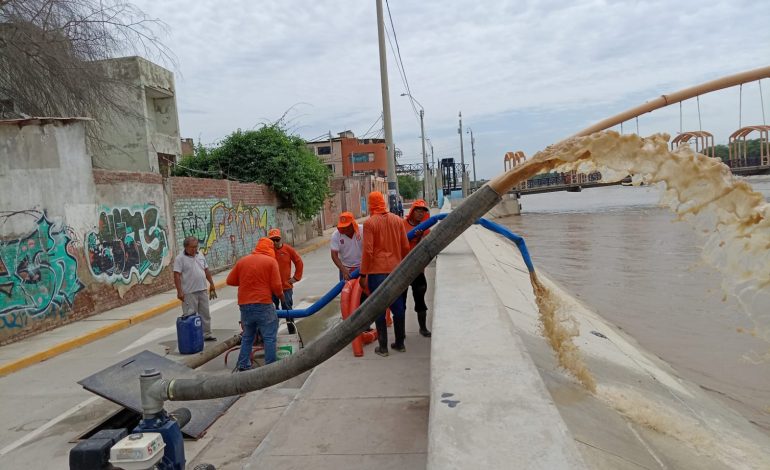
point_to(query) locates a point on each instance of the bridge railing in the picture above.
(554, 179)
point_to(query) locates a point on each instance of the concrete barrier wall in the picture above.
(489, 407)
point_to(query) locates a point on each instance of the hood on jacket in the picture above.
(415, 205)
(377, 203)
(264, 247)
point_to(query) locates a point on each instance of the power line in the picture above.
(372, 126)
(400, 61)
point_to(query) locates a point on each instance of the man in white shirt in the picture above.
(347, 244)
(191, 275)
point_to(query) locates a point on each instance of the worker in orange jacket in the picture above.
(258, 281)
(286, 255)
(385, 245)
(418, 213)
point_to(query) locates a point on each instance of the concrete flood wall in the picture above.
(489, 407)
(499, 399)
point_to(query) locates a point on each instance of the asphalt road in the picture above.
(44, 410)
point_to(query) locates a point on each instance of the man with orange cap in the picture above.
(258, 280)
(347, 245)
(417, 214)
(286, 255)
(385, 245)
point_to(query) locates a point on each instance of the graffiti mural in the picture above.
(127, 244)
(38, 275)
(224, 232)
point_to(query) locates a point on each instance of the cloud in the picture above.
(525, 74)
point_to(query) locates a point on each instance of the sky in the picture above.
(524, 74)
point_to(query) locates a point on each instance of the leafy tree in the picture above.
(409, 186)
(753, 150)
(269, 156)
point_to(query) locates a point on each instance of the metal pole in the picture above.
(473, 154)
(390, 148)
(433, 188)
(435, 174)
(424, 156)
(462, 154)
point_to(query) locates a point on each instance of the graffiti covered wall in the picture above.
(226, 217)
(38, 275)
(225, 232)
(128, 245)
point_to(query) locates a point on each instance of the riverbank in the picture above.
(643, 414)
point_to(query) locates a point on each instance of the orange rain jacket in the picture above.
(409, 227)
(285, 256)
(257, 275)
(385, 242)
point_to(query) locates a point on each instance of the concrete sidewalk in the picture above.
(38, 348)
(368, 412)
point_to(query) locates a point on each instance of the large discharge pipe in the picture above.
(342, 334)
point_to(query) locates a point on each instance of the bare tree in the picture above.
(50, 53)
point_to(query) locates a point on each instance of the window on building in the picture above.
(165, 161)
(330, 167)
(327, 150)
(361, 157)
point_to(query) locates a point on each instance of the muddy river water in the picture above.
(629, 260)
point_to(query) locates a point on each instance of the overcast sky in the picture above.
(524, 73)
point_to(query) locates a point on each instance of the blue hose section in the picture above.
(424, 225)
(518, 240)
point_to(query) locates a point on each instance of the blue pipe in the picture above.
(424, 225)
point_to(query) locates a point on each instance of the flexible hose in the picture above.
(203, 388)
(519, 241)
(424, 225)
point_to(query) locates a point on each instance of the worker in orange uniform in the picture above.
(385, 245)
(258, 280)
(417, 214)
(286, 255)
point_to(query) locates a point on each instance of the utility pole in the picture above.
(390, 148)
(424, 156)
(462, 155)
(433, 188)
(473, 154)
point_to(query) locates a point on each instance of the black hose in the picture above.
(478, 204)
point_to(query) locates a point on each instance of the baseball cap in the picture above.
(346, 219)
(274, 233)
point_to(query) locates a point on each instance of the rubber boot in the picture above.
(399, 330)
(382, 336)
(290, 326)
(422, 318)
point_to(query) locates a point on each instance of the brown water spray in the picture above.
(732, 218)
(560, 330)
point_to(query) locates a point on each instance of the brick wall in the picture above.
(112, 177)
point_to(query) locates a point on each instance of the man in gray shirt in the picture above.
(190, 275)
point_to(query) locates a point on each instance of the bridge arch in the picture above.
(512, 159)
(738, 148)
(704, 141)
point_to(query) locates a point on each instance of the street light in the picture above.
(422, 138)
